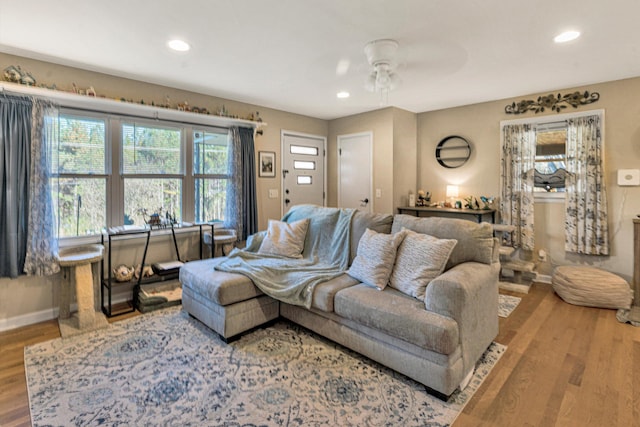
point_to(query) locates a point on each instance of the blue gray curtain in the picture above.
(27, 238)
(249, 199)
(242, 205)
(15, 153)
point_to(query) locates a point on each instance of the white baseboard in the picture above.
(28, 319)
(49, 313)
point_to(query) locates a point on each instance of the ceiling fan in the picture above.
(381, 55)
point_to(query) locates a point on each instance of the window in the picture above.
(152, 172)
(109, 170)
(303, 149)
(211, 174)
(79, 175)
(299, 164)
(551, 157)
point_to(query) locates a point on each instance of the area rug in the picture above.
(506, 304)
(165, 368)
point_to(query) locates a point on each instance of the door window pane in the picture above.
(299, 164)
(302, 149)
(303, 180)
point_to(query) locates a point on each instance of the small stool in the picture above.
(222, 237)
(591, 287)
(76, 264)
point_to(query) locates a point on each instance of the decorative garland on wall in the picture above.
(556, 103)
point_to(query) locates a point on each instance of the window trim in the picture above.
(549, 197)
(555, 197)
(114, 164)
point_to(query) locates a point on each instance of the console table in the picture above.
(479, 215)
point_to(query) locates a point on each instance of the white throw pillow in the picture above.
(420, 259)
(285, 239)
(375, 257)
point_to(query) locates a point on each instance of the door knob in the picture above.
(365, 201)
(287, 201)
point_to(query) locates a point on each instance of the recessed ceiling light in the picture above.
(567, 36)
(343, 94)
(178, 45)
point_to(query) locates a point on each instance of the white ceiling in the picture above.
(285, 54)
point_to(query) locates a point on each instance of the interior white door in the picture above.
(355, 171)
(303, 170)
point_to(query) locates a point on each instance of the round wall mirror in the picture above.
(453, 151)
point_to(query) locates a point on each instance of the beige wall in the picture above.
(394, 154)
(480, 124)
(380, 123)
(25, 296)
(403, 158)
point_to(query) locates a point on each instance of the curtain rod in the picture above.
(128, 109)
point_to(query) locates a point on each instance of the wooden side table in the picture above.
(479, 215)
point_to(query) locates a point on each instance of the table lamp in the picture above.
(452, 193)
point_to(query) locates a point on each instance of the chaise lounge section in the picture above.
(435, 340)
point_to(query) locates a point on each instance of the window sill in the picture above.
(540, 197)
(95, 238)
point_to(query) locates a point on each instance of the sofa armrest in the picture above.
(468, 293)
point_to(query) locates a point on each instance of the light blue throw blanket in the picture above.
(325, 256)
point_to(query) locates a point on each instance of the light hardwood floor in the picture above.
(564, 366)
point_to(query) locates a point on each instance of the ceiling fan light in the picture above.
(370, 82)
(381, 56)
(394, 81)
(382, 79)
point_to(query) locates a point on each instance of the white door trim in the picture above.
(368, 134)
(283, 133)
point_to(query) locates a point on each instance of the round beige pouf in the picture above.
(591, 287)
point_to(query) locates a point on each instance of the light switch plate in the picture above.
(629, 177)
(273, 193)
(378, 193)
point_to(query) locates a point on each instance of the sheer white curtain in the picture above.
(517, 181)
(41, 241)
(587, 231)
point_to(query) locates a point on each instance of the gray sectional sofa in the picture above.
(435, 341)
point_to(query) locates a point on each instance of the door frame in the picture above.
(283, 133)
(339, 138)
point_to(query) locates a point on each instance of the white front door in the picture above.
(303, 169)
(354, 180)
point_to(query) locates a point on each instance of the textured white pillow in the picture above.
(420, 259)
(375, 257)
(285, 239)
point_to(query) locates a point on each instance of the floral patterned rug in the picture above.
(166, 368)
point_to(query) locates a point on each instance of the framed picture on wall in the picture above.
(267, 164)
